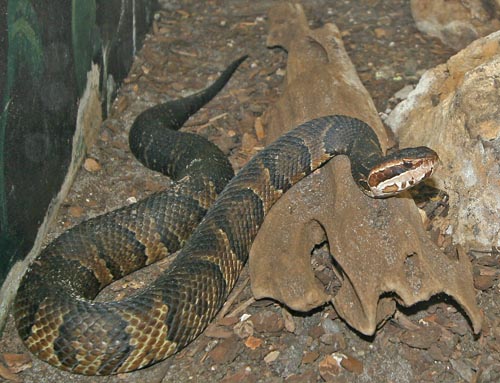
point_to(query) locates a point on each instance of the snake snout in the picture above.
(402, 170)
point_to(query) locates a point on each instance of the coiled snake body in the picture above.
(54, 311)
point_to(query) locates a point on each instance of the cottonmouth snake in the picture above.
(54, 309)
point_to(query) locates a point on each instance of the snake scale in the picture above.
(54, 309)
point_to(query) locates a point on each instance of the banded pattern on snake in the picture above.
(54, 309)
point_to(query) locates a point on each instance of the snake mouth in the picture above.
(402, 170)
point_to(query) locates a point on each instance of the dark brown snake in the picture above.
(54, 310)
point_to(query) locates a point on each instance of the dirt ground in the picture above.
(190, 43)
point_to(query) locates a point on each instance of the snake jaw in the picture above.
(401, 171)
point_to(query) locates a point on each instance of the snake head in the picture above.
(401, 170)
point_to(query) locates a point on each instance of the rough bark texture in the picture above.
(379, 245)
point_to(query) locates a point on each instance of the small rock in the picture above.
(17, 362)
(104, 136)
(337, 341)
(316, 332)
(380, 33)
(259, 129)
(422, 338)
(244, 329)
(121, 104)
(310, 357)
(244, 375)
(267, 322)
(228, 321)
(248, 142)
(131, 200)
(226, 351)
(291, 357)
(306, 377)
(403, 93)
(463, 369)
(75, 211)
(330, 326)
(221, 332)
(120, 144)
(329, 368)
(271, 357)
(436, 353)
(91, 165)
(253, 342)
(484, 282)
(289, 322)
(9, 375)
(153, 186)
(352, 364)
(225, 143)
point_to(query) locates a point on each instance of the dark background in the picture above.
(46, 49)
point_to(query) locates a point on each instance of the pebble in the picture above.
(352, 364)
(310, 357)
(422, 338)
(484, 282)
(91, 165)
(288, 319)
(437, 354)
(153, 186)
(259, 129)
(75, 211)
(458, 325)
(267, 322)
(271, 357)
(253, 342)
(463, 369)
(216, 331)
(306, 377)
(380, 33)
(244, 329)
(329, 368)
(248, 142)
(9, 375)
(228, 321)
(131, 200)
(225, 143)
(330, 326)
(17, 362)
(337, 341)
(403, 93)
(243, 375)
(290, 359)
(316, 332)
(225, 352)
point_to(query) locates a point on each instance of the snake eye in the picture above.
(407, 164)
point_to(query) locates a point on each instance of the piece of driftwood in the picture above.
(381, 251)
